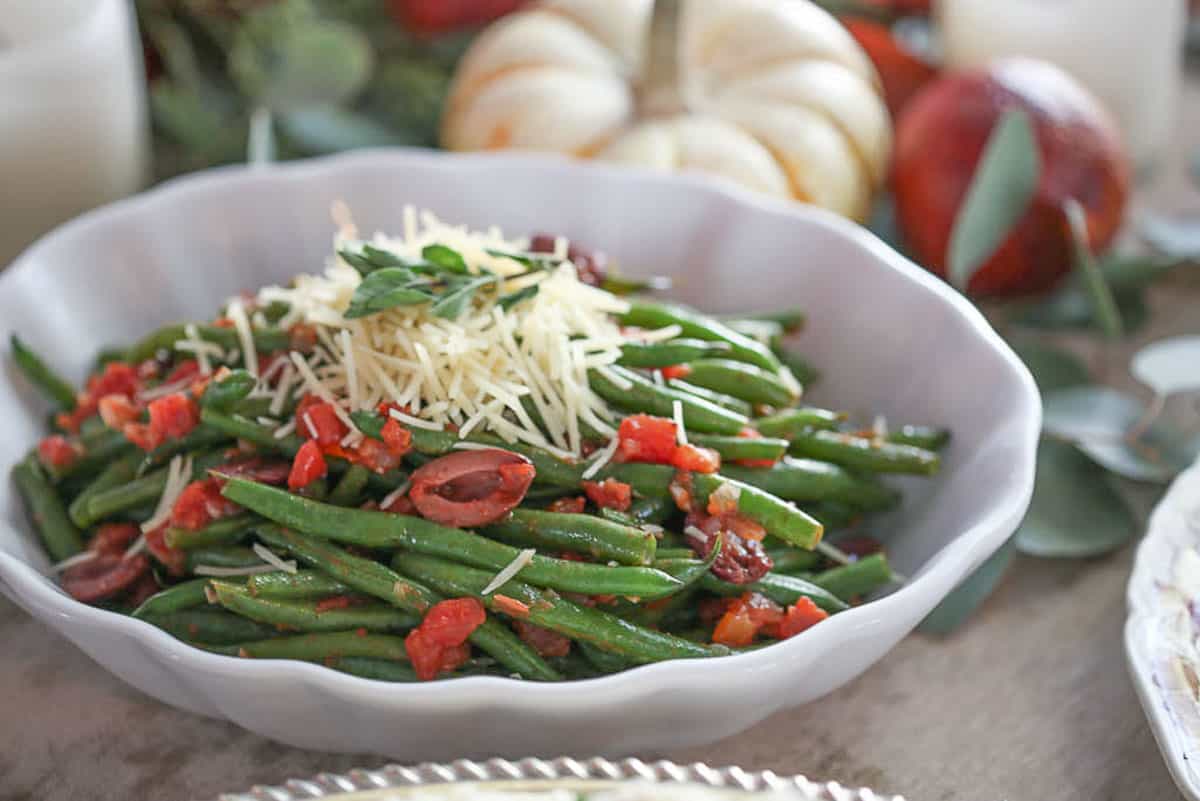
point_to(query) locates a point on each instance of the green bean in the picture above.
(647, 480)
(202, 437)
(116, 474)
(56, 388)
(372, 578)
(376, 669)
(383, 530)
(652, 509)
(790, 422)
(810, 480)
(679, 553)
(224, 394)
(308, 616)
(222, 556)
(698, 326)
(265, 340)
(326, 646)
(768, 332)
(856, 579)
(144, 490)
(604, 661)
(800, 368)
(349, 489)
(302, 584)
(742, 448)
(735, 405)
(58, 533)
(740, 380)
(615, 516)
(96, 456)
(643, 395)
(688, 569)
(780, 518)
(553, 612)
(790, 319)
(106, 356)
(793, 560)
(840, 514)
(668, 354)
(580, 533)
(861, 453)
(210, 626)
(783, 590)
(931, 439)
(226, 531)
(185, 595)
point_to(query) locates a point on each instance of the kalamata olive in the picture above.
(592, 265)
(471, 488)
(103, 576)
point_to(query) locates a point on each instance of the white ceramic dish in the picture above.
(1162, 632)
(695, 782)
(896, 339)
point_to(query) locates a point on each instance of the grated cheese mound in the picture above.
(489, 370)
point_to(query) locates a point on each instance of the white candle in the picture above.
(1129, 53)
(73, 128)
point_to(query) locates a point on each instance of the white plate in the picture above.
(1162, 630)
(694, 782)
(891, 338)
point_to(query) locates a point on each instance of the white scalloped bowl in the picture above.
(889, 336)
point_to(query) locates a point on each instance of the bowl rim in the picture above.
(948, 566)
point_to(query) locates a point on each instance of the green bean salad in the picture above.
(454, 454)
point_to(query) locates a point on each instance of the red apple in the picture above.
(941, 136)
(903, 74)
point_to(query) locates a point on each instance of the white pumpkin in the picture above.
(774, 94)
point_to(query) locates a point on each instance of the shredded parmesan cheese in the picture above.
(71, 561)
(395, 495)
(677, 414)
(510, 570)
(236, 312)
(601, 458)
(179, 475)
(265, 554)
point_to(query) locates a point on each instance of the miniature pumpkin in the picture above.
(774, 94)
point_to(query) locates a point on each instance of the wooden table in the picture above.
(1030, 701)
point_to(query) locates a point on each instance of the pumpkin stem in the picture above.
(660, 93)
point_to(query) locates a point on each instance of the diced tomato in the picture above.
(574, 504)
(744, 527)
(511, 606)
(141, 435)
(547, 643)
(800, 616)
(222, 322)
(397, 438)
(676, 371)
(745, 618)
(148, 369)
(426, 656)
(302, 337)
(173, 416)
(455, 657)
(646, 438)
(200, 503)
(451, 622)
(308, 466)
(698, 460)
(571, 556)
(316, 419)
(376, 456)
(186, 370)
(114, 538)
(118, 378)
(173, 559)
(751, 433)
(58, 452)
(117, 410)
(609, 494)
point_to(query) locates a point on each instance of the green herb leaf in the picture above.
(1004, 183)
(506, 302)
(1074, 513)
(1132, 272)
(1101, 421)
(385, 289)
(307, 62)
(1052, 368)
(369, 423)
(537, 261)
(1104, 306)
(962, 602)
(370, 259)
(1070, 308)
(454, 300)
(445, 258)
(1169, 365)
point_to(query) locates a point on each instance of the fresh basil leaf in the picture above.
(383, 258)
(370, 258)
(964, 599)
(369, 423)
(1075, 513)
(1052, 368)
(445, 258)
(1001, 189)
(454, 300)
(1095, 286)
(385, 289)
(506, 302)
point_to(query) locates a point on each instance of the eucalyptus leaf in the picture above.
(1075, 513)
(1178, 237)
(1001, 190)
(1169, 365)
(959, 605)
(454, 300)
(445, 258)
(1052, 368)
(327, 129)
(385, 289)
(1095, 286)
(1136, 271)
(305, 63)
(1099, 421)
(506, 302)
